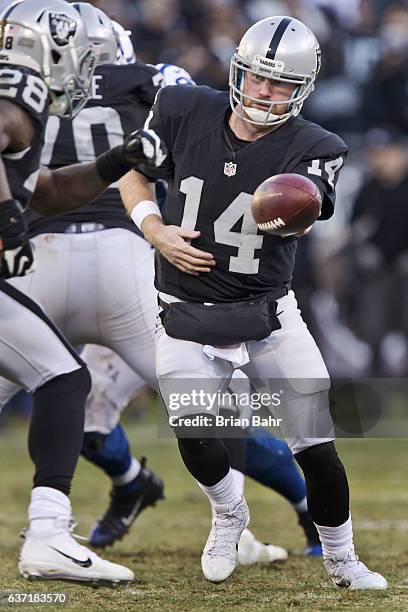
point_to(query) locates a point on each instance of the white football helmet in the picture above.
(174, 75)
(279, 48)
(99, 29)
(49, 37)
(126, 53)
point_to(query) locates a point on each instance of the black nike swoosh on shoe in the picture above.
(278, 313)
(86, 563)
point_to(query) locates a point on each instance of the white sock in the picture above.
(301, 506)
(336, 541)
(131, 473)
(239, 478)
(226, 491)
(46, 505)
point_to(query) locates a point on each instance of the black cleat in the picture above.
(125, 508)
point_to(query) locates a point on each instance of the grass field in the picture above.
(165, 545)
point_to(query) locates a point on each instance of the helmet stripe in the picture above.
(9, 10)
(277, 37)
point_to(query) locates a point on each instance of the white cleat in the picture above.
(220, 555)
(251, 551)
(58, 556)
(350, 573)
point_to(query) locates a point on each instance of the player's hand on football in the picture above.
(144, 147)
(173, 243)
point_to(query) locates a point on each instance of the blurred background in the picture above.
(351, 276)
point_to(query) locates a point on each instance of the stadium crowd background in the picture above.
(351, 275)
(352, 272)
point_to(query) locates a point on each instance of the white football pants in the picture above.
(97, 287)
(32, 351)
(287, 363)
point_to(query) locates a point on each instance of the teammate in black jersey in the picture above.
(209, 250)
(54, 77)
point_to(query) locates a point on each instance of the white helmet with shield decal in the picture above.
(278, 48)
(49, 37)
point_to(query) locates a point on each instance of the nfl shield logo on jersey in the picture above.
(230, 169)
(62, 28)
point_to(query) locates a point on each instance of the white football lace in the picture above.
(221, 536)
(341, 571)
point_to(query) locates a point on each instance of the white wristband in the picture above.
(143, 210)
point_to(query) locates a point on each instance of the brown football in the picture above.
(286, 204)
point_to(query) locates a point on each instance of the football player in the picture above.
(105, 442)
(91, 248)
(46, 63)
(221, 146)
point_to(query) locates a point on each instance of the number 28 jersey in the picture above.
(212, 176)
(27, 90)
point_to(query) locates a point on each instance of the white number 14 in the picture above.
(330, 167)
(246, 241)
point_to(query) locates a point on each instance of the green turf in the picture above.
(165, 544)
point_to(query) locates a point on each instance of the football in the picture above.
(286, 204)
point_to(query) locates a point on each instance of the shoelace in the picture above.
(351, 557)
(221, 538)
(64, 524)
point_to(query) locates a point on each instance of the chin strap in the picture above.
(258, 115)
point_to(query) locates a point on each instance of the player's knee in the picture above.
(195, 426)
(320, 461)
(196, 439)
(76, 383)
(92, 444)
(101, 448)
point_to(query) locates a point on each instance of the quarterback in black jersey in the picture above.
(54, 78)
(219, 278)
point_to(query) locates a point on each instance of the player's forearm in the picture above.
(66, 189)
(136, 190)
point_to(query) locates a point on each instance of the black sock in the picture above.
(237, 451)
(326, 484)
(234, 438)
(206, 457)
(57, 429)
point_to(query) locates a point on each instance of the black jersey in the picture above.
(26, 89)
(211, 182)
(121, 99)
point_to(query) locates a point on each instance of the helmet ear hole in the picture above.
(56, 57)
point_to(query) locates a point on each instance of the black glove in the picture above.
(13, 226)
(16, 262)
(144, 147)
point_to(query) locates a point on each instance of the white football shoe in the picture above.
(220, 555)
(251, 551)
(352, 574)
(58, 556)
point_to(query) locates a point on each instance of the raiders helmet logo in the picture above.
(62, 28)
